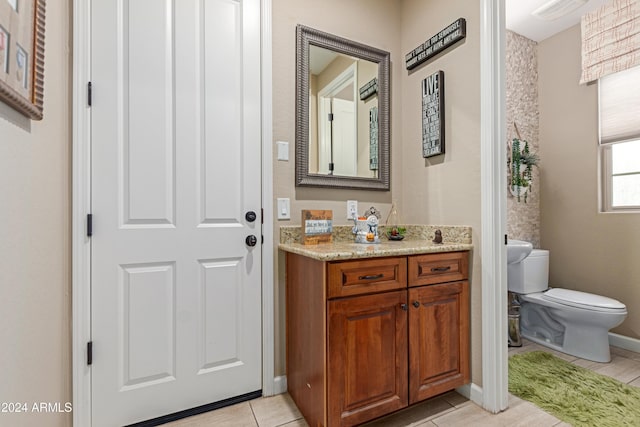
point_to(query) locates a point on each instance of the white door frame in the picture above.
(493, 179)
(81, 193)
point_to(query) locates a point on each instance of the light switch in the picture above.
(283, 150)
(284, 209)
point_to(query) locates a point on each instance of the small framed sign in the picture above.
(369, 89)
(373, 139)
(433, 115)
(440, 42)
(317, 226)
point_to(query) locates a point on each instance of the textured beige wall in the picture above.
(590, 251)
(445, 189)
(35, 241)
(521, 69)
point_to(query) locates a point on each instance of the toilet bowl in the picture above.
(570, 321)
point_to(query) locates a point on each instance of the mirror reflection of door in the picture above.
(337, 133)
(339, 128)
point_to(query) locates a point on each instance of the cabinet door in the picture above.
(367, 357)
(438, 339)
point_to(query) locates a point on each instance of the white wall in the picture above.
(35, 236)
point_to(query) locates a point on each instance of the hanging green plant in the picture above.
(522, 162)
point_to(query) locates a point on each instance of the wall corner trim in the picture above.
(471, 391)
(280, 384)
(624, 342)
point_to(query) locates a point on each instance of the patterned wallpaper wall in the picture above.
(523, 219)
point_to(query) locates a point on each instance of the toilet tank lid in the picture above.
(570, 297)
(538, 252)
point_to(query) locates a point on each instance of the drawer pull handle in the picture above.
(372, 277)
(440, 269)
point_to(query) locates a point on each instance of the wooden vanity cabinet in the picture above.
(367, 357)
(368, 337)
(438, 339)
(438, 323)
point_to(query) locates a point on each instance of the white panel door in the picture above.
(345, 140)
(176, 290)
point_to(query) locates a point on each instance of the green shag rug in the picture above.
(571, 393)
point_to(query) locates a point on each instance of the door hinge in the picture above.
(505, 239)
(89, 225)
(89, 352)
(89, 93)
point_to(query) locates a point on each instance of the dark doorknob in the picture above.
(250, 216)
(416, 304)
(251, 240)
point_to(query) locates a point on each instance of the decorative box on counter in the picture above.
(317, 227)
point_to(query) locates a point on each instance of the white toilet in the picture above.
(570, 321)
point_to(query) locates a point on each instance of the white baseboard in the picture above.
(280, 384)
(627, 343)
(471, 391)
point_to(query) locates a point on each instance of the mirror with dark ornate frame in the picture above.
(342, 112)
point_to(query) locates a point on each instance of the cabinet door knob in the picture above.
(416, 304)
(403, 306)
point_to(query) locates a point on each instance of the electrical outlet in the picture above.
(352, 209)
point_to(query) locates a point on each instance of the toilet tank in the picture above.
(536, 272)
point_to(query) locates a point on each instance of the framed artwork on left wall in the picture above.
(22, 56)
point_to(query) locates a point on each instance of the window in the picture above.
(619, 102)
(621, 177)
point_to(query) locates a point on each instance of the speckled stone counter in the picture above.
(418, 240)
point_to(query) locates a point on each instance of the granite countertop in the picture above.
(417, 241)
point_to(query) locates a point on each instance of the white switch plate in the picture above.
(352, 209)
(284, 209)
(283, 150)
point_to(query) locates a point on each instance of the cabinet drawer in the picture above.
(438, 268)
(366, 276)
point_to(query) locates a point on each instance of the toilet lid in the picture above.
(582, 299)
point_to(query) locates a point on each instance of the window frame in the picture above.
(605, 179)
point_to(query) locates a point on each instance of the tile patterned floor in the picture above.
(448, 410)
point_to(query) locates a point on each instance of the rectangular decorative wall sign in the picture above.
(373, 138)
(433, 115)
(436, 44)
(369, 89)
(22, 55)
(317, 226)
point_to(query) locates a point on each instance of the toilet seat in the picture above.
(583, 300)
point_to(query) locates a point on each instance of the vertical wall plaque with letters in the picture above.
(373, 139)
(433, 115)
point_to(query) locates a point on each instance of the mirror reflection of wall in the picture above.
(340, 129)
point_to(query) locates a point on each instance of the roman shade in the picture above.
(610, 39)
(619, 100)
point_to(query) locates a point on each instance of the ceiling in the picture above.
(520, 20)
